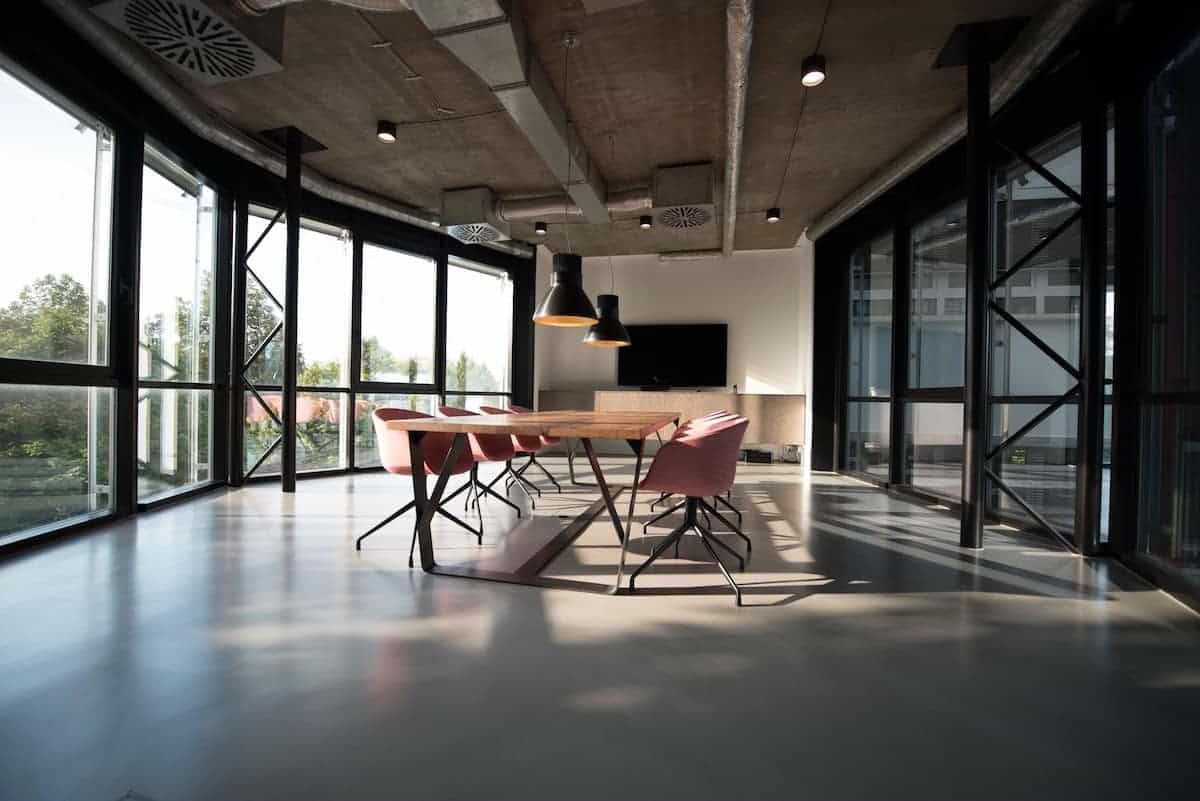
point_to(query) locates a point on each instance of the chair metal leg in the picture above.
(667, 513)
(385, 521)
(662, 497)
(735, 529)
(533, 461)
(519, 475)
(528, 494)
(717, 541)
(477, 532)
(658, 551)
(489, 491)
(704, 540)
(718, 499)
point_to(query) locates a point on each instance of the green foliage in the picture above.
(48, 320)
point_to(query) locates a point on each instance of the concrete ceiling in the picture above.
(646, 90)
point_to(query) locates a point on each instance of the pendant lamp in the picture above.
(566, 304)
(608, 331)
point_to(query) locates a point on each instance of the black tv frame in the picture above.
(633, 335)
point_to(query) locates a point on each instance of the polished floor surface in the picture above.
(236, 647)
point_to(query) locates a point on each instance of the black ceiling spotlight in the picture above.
(385, 132)
(774, 215)
(646, 222)
(566, 305)
(539, 228)
(812, 70)
(608, 331)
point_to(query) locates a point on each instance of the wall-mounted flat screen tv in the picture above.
(673, 356)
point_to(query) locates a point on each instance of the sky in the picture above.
(48, 226)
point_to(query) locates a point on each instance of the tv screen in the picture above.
(673, 356)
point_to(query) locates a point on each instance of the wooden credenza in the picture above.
(774, 419)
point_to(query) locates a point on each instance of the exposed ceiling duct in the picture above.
(147, 74)
(1028, 53)
(739, 34)
(493, 43)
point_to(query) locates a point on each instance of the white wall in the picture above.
(764, 296)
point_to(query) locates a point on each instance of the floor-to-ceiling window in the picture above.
(398, 340)
(936, 337)
(56, 402)
(869, 359)
(1169, 503)
(478, 335)
(175, 327)
(1037, 234)
(323, 333)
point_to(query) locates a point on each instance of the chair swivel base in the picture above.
(692, 523)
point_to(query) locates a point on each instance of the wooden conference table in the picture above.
(633, 427)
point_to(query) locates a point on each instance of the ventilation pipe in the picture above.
(560, 208)
(257, 7)
(739, 33)
(142, 69)
(1028, 53)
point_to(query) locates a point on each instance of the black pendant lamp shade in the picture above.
(566, 304)
(608, 331)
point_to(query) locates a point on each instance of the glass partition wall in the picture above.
(123, 253)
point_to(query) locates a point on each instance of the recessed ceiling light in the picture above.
(385, 131)
(812, 70)
(539, 228)
(646, 222)
(774, 215)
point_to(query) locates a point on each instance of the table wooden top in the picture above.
(592, 425)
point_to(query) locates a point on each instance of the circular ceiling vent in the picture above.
(190, 36)
(685, 217)
(474, 233)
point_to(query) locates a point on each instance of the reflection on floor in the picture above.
(236, 647)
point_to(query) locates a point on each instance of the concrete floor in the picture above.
(236, 647)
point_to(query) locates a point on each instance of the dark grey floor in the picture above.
(236, 647)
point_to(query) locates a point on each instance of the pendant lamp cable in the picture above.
(800, 113)
(568, 43)
(612, 159)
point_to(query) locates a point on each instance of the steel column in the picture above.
(975, 389)
(1093, 279)
(123, 316)
(291, 336)
(901, 307)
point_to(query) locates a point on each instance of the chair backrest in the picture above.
(523, 443)
(701, 460)
(394, 453)
(512, 407)
(486, 447)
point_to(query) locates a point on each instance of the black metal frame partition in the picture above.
(1077, 90)
(33, 50)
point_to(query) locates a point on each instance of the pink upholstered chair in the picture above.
(543, 443)
(523, 444)
(485, 448)
(394, 454)
(718, 500)
(700, 461)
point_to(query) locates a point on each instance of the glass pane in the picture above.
(259, 431)
(868, 438)
(174, 439)
(1174, 315)
(324, 311)
(175, 281)
(1169, 469)
(937, 292)
(478, 328)
(262, 314)
(56, 168)
(1040, 467)
(365, 454)
(870, 345)
(320, 421)
(399, 303)
(1028, 210)
(933, 451)
(473, 402)
(55, 454)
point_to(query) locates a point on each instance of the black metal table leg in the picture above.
(427, 504)
(622, 533)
